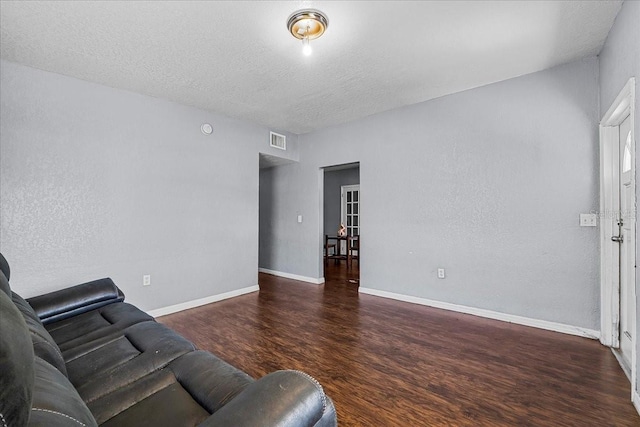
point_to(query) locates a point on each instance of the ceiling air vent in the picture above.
(278, 141)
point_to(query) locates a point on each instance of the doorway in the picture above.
(268, 216)
(618, 230)
(341, 207)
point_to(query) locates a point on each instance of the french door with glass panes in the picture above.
(351, 209)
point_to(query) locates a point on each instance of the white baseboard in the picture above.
(635, 398)
(511, 318)
(626, 369)
(318, 281)
(201, 301)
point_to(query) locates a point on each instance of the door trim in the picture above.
(623, 106)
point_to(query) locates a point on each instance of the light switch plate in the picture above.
(588, 220)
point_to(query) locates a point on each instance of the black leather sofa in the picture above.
(83, 357)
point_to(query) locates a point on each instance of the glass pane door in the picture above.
(351, 209)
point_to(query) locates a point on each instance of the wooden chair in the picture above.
(327, 247)
(354, 246)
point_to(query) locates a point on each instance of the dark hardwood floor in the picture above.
(389, 363)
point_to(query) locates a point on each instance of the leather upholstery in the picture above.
(104, 321)
(100, 361)
(76, 300)
(16, 364)
(329, 418)
(56, 402)
(202, 383)
(43, 344)
(4, 267)
(4, 282)
(102, 366)
(210, 380)
(153, 410)
(282, 398)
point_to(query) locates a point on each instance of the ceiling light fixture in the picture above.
(307, 25)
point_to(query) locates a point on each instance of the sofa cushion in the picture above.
(210, 380)
(99, 323)
(101, 366)
(56, 402)
(170, 406)
(44, 345)
(16, 364)
(202, 382)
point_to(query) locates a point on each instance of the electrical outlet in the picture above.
(146, 280)
(588, 220)
(441, 273)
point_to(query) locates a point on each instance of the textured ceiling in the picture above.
(237, 58)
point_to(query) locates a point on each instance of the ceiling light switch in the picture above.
(299, 219)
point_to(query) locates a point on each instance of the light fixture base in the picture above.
(307, 23)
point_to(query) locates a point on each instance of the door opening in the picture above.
(341, 207)
(268, 220)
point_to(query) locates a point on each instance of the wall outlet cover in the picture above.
(588, 220)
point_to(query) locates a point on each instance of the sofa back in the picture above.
(43, 344)
(16, 362)
(4, 268)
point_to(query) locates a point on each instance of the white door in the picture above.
(350, 217)
(618, 230)
(351, 209)
(626, 235)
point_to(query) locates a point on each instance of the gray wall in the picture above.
(281, 200)
(102, 182)
(487, 183)
(268, 212)
(620, 60)
(333, 181)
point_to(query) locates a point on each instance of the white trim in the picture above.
(626, 369)
(318, 281)
(635, 398)
(201, 301)
(511, 318)
(623, 106)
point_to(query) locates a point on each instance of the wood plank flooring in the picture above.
(389, 363)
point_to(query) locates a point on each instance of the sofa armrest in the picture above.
(75, 300)
(282, 398)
